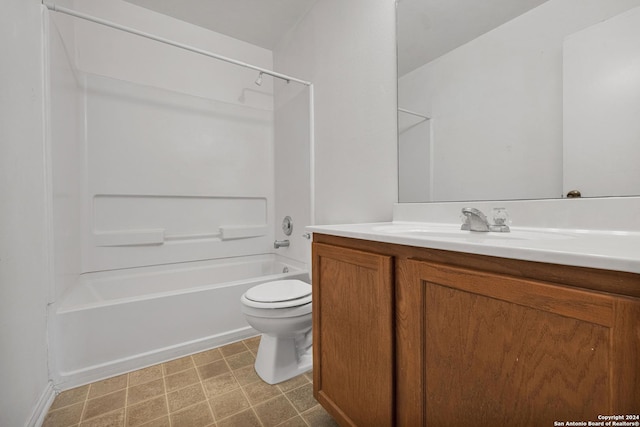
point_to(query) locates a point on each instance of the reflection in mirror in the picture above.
(494, 80)
(601, 67)
(414, 158)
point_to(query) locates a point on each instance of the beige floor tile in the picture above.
(67, 416)
(145, 375)
(213, 369)
(107, 386)
(146, 411)
(220, 384)
(69, 397)
(240, 360)
(178, 365)
(246, 375)
(103, 404)
(296, 421)
(198, 415)
(244, 419)
(225, 405)
(309, 376)
(273, 411)
(158, 422)
(302, 397)
(318, 417)
(259, 392)
(231, 349)
(207, 356)
(145, 391)
(181, 379)
(112, 419)
(253, 344)
(184, 397)
(294, 382)
(214, 388)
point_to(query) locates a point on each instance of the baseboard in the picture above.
(42, 406)
(69, 380)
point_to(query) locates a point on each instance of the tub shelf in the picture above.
(159, 236)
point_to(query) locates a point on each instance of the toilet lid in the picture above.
(280, 290)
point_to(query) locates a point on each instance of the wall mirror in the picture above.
(518, 99)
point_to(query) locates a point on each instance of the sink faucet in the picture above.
(477, 221)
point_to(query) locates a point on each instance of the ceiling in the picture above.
(426, 28)
(259, 22)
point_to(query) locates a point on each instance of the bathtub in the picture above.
(112, 322)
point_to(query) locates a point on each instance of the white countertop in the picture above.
(609, 250)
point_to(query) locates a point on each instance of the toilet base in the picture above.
(279, 358)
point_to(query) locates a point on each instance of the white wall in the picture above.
(347, 49)
(24, 270)
(496, 105)
(292, 167)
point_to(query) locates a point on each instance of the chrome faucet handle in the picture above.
(500, 216)
(500, 220)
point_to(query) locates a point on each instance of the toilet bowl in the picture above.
(281, 311)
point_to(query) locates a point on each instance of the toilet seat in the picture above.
(279, 290)
(278, 294)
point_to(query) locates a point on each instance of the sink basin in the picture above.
(453, 232)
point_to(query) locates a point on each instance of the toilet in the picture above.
(281, 311)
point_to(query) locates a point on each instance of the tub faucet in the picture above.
(281, 244)
(477, 221)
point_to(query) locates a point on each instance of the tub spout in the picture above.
(281, 244)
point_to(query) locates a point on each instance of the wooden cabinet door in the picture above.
(353, 335)
(478, 349)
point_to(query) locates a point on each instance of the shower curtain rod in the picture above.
(71, 12)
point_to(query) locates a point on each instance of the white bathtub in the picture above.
(116, 321)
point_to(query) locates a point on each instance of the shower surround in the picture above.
(160, 161)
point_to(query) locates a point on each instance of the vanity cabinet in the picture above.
(498, 350)
(453, 339)
(353, 335)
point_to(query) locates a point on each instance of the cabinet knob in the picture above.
(573, 194)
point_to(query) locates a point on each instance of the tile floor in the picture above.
(217, 387)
